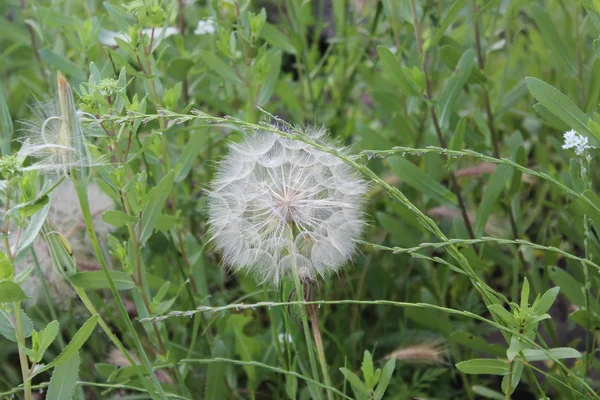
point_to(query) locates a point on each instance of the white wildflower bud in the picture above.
(278, 203)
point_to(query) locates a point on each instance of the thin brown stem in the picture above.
(436, 124)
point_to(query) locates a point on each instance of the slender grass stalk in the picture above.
(82, 195)
(319, 343)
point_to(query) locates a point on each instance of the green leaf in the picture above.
(458, 139)
(6, 268)
(7, 328)
(414, 177)
(215, 377)
(247, 347)
(487, 393)
(11, 292)
(454, 86)
(358, 386)
(62, 64)
(190, 153)
(154, 203)
(450, 16)
(64, 379)
(277, 39)
(561, 107)
(220, 67)
(553, 39)
(6, 125)
(78, 340)
(118, 218)
(492, 193)
(569, 286)
(272, 76)
(386, 376)
(485, 366)
(558, 353)
(32, 230)
(586, 319)
(391, 66)
(97, 280)
(41, 341)
(478, 344)
(369, 371)
(525, 294)
(500, 312)
(543, 304)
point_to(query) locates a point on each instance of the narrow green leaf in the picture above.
(64, 379)
(561, 107)
(11, 292)
(277, 39)
(553, 39)
(97, 280)
(501, 313)
(450, 16)
(118, 218)
(155, 201)
(544, 303)
(6, 125)
(569, 286)
(391, 66)
(478, 344)
(32, 230)
(190, 153)
(74, 345)
(215, 377)
(492, 193)
(220, 67)
(458, 139)
(454, 86)
(485, 366)
(586, 319)
(358, 386)
(386, 376)
(558, 353)
(60, 63)
(414, 177)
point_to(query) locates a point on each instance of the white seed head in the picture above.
(278, 203)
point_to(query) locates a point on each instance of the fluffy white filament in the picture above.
(278, 204)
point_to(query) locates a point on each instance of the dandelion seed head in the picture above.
(576, 141)
(278, 204)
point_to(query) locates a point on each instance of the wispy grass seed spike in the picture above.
(278, 204)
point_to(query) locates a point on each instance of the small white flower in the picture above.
(204, 27)
(574, 140)
(279, 204)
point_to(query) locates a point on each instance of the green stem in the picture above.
(82, 194)
(307, 335)
(319, 343)
(21, 346)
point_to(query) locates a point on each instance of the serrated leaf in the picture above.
(485, 366)
(98, 280)
(558, 353)
(64, 379)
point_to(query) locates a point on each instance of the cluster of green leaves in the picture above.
(455, 110)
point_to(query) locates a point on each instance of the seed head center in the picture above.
(286, 204)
